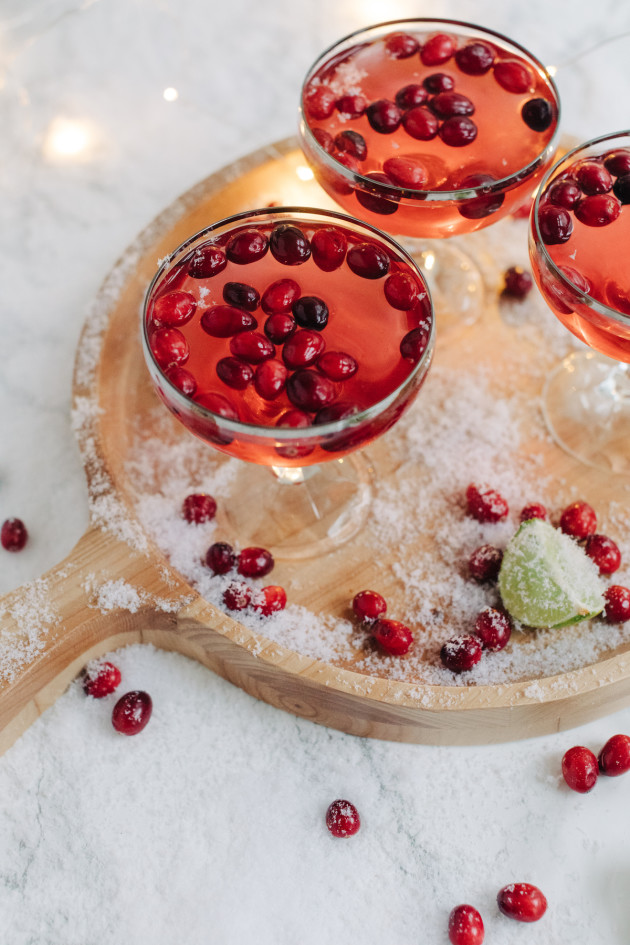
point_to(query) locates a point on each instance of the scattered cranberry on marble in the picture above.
(199, 507)
(578, 520)
(465, 926)
(484, 563)
(485, 504)
(614, 758)
(522, 901)
(101, 679)
(518, 282)
(604, 553)
(132, 712)
(617, 607)
(580, 769)
(342, 819)
(13, 534)
(392, 636)
(460, 654)
(369, 606)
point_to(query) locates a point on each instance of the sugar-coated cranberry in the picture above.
(475, 58)
(476, 208)
(494, 628)
(449, 104)
(206, 261)
(618, 163)
(310, 311)
(237, 596)
(252, 346)
(414, 344)
(378, 202)
(460, 654)
(337, 365)
(614, 758)
(533, 510)
(303, 348)
(289, 245)
(101, 680)
(220, 557)
(280, 296)
(270, 378)
(458, 131)
(223, 321)
(13, 534)
(621, 189)
(599, 210)
(604, 553)
(555, 224)
(410, 96)
(368, 261)
(319, 102)
(522, 901)
(485, 504)
(579, 769)
(218, 404)
(518, 282)
(310, 390)
(617, 608)
(369, 606)
(342, 819)
(403, 291)
(174, 308)
(351, 106)
(513, 76)
(169, 347)
(324, 139)
(537, 113)
(246, 247)
(353, 143)
(384, 116)
(484, 563)
(241, 295)
(328, 247)
(592, 177)
(578, 520)
(392, 636)
(132, 712)
(420, 123)
(234, 372)
(199, 507)
(437, 50)
(279, 327)
(270, 600)
(564, 193)
(255, 562)
(439, 82)
(406, 172)
(401, 45)
(182, 379)
(465, 926)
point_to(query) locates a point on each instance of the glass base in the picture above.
(301, 512)
(586, 404)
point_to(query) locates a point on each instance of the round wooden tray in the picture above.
(113, 396)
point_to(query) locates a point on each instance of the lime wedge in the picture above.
(547, 580)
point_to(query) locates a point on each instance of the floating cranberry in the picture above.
(564, 193)
(439, 82)
(384, 116)
(132, 712)
(246, 247)
(533, 510)
(172, 309)
(101, 680)
(378, 202)
(420, 123)
(182, 379)
(310, 311)
(319, 102)
(616, 296)
(476, 208)
(169, 347)
(537, 114)
(604, 553)
(234, 372)
(465, 926)
(270, 378)
(461, 653)
(485, 504)
(279, 327)
(270, 600)
(475, 58)
(406, 172)
(252, 346)
(220, 557)
(621, 189)
(617, 609)
(337, 365)
(484, 563)
(289, 245)
(618, 163)
(241, 295)
(206, 261)
(414, 344)
(459, 131)
(342, 819)
(592, 177)
(401, 45)
(218, 404)
(310, 390)
(255, 562)
(522, 901)
(403, 291)
(199, 507)
(437, 50)
(578, 520)
(368, 261)
(303, 348)
(328, 247)
(352, 143)
(296, 419)
(494, 628)
(555, 224)
(410, 96)
(518, 282)
(324, 139)
(279, 296)
(449, 104)
(614, 758)
(237, 596)
(340, 410)
(513, 76)
(351, 106)
(579, 769)
(369, 606)
(223, 321)
(392, 636)
(13, 534)
(599, 210)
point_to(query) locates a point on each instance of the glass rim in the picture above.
(429, 196)
(313, 432)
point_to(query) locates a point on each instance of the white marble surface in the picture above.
(65, 219)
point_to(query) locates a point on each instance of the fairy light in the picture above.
(67, 139)
(170, 94)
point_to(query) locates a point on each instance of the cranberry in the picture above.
(237, 596)
(255, 562)
(460, 654)
(614, 758)
(564, 193)
(617, 162)
(169, 347)
(384, 116)
(319, 102)
(494, 628)
(449, 104)
(342, 819)
(522, 901)
(406, 172)
(324, 139)
(420, 123)
(279, 327)
(578, 520)
(437, 50)
(617, 609)
(309, 390)
(377, 202)
(182, 379)
(340, 410)
(337, 365)
(537, 114)
(439, 82)
(410, 96)
(476, 208)
(485, 504)
(101, 680)
(401, 45)
(13, 534)
(368, 261)
(604, 553)
(246, 247)
(328, 247)
(392, 636)
(402, 291)
(533, 510)
(298, 420)
(351, 106)
(599, 210)
(555, 224)
(579, 769)
(616, 296)
(368, 606)
(172, 309)
(621, 189)
(518, 282)
(220, 557)
(459, 131)
(592, 177)
(279, 296)
(218, 404)
(270, 378)
(475, 58)
(222, 321)
(303, 348)
(414, 344)
(241, 295)
(289, 245)
(465, 926)
(513, 76)
(484, 563)
(252, 346)
(310, 311)
(199, 507)
(353, 143)
(234, 372)
(206, 261)
(271, 600)
(132, 712)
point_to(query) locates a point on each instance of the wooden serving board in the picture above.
(113, 396)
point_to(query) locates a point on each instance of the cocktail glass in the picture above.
(319, 379)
